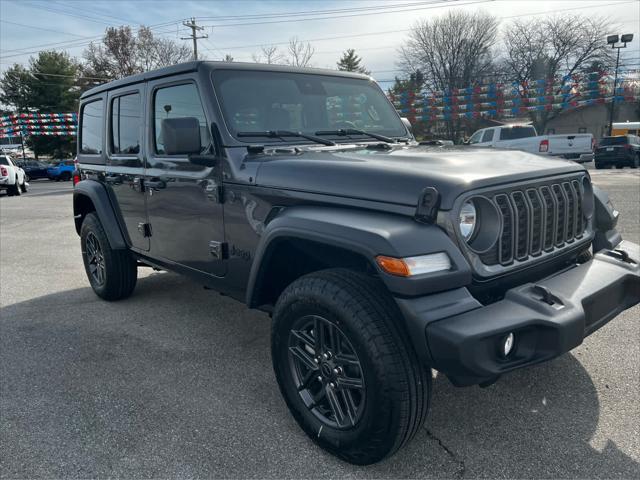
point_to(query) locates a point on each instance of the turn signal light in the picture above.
(410, 266)
(393, 266)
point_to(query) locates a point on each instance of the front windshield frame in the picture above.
(397, 127)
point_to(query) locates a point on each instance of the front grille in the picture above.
(535, 220)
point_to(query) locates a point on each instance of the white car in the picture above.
(574, 146)
(12, 177)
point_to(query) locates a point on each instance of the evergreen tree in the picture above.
(350, 62)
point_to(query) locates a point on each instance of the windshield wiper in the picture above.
(286, 133)
(342, 132)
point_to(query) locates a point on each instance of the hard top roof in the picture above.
(196, 65)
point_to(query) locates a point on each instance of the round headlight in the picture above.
(467, 220)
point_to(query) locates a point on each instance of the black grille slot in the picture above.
(571, 211)
(536, 219)
(579, 215)
(521, 210)
(550, 220)
(537, 225)
(561, 222)
(505, 243)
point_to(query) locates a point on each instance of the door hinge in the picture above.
(219, 250)
(144, 229)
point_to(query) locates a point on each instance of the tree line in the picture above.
(455, 50)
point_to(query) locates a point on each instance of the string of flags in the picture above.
(515, 99)
(39, 124)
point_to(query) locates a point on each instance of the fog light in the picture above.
(507, 344)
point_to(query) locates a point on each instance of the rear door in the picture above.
(125, 167)
(185, 214)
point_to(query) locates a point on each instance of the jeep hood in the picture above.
(399, 175)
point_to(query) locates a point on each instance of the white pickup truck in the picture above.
(574, 146)
(12, 177)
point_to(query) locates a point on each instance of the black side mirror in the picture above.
(181, 136)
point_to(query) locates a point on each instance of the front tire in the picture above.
(111, 273)
(348, 373)
(23, 187)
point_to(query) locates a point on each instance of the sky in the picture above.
(374, 28)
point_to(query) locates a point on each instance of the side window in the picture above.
(91, 128)
(126, 123)
(176, 102)
(487, 136)
(475, 138)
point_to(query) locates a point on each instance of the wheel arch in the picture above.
(300, 240)
(90, 196)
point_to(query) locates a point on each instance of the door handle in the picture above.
(155, 183)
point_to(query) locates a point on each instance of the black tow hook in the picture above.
(620, 255)
(546, 295)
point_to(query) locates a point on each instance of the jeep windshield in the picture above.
(260, 101)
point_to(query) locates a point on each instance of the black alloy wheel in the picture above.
(95, 259)
(326, 372)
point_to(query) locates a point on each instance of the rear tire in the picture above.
(15, 189)
(393, 394)
(23, 187)
(65, 177)
(111, 273)
(636, 162)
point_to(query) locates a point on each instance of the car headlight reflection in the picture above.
(467, 220)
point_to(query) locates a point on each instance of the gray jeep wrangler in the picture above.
(302, 193)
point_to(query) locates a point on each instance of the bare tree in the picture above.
(268, 54)
(300, 53)
(553, 47)
(451, 51)
(123, 52)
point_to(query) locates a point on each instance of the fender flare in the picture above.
(98, 195)
(368, 234)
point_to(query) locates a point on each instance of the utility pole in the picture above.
(194, 36)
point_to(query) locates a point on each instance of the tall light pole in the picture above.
(615, 41)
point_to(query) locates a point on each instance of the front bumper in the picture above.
(548, 318)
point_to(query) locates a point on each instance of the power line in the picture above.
(338, 37)
(40, 28)
(435, 4)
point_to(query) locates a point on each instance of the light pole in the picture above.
(613, 41)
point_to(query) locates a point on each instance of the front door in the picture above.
(184, 211)
(125, 168)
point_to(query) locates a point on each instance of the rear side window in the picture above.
(126, 123)
(178, 101)
(91, 130)
(514, 133)
(4, 161)
(487, 136)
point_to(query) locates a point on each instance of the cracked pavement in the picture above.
(177, 382)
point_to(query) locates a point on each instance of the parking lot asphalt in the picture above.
(176, 381)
